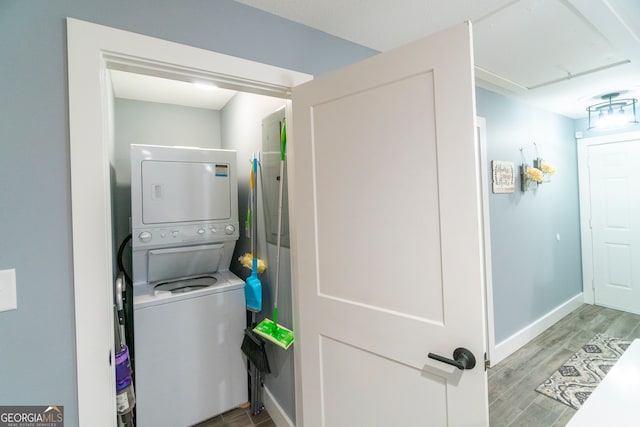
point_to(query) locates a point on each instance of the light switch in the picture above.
(8, 300)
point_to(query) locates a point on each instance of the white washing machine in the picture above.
(189, 310)
(189, 366)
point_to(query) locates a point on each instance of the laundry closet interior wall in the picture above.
(242, 131)
(237, 126)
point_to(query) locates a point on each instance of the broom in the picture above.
(268, 329)
(252, 345)
(253, 287)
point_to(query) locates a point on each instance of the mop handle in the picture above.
(283, 144)
(248, 223)
(254, 223)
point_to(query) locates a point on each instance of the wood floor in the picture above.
(239, 418)
(513, 400)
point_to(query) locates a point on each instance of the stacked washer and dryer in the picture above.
(189, 309)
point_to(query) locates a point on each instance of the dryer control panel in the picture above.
(185, 234)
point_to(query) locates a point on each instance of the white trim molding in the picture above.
(485, 183)
(277, 414)
(507, 347)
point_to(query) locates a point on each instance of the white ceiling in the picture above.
(166, 91)
(560, 55)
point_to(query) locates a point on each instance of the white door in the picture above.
(385, 218)
(615, 224)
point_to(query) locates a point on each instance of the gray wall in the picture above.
(583, 127)
(37, 360)
(533, 273)
(242, 131)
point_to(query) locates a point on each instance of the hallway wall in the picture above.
(533, 272)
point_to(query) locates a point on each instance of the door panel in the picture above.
(345, 365)
(371, 178)
(387, 240)
(615, 218)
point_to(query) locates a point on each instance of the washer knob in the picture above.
(144, 237)
(229, 229)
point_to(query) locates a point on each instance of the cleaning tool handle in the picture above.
(254, 265)
(252, 176)
(283, 147)
(275, 317)
(283, 140)
(254, 223)
(247, 224)
(254, 171)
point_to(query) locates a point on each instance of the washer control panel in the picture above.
(170, 236)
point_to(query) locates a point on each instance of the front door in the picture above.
(386, 240)
(615, 224)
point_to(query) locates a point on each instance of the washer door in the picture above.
(189, 261)
(185, 285)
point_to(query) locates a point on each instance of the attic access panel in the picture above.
(533, 43)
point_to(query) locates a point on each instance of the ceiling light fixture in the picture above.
(613, 113)
(206, 86)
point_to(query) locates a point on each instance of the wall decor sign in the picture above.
(503, 176)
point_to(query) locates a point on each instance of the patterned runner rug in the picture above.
(576, 379)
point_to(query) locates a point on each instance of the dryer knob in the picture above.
(144, 237)
(229, 229)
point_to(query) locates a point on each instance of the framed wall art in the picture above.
(503, 176)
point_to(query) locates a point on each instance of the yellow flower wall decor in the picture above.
(532, 177)
(534, 174)
(547, 169)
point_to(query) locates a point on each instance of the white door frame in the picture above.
(585, 205)
(485, 182)
(93, 50)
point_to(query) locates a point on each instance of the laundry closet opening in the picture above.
(160, 112)
(92, 52)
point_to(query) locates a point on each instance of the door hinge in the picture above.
(487, 362)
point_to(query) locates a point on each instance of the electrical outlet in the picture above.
(8, 300)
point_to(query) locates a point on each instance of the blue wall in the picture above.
(37, 359)
(533, 273)
(582, 126)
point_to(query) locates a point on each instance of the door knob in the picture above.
(462, 359)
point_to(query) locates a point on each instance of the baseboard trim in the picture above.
(526, 334)
(279, 417)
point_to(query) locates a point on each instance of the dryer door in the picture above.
(174, 192)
